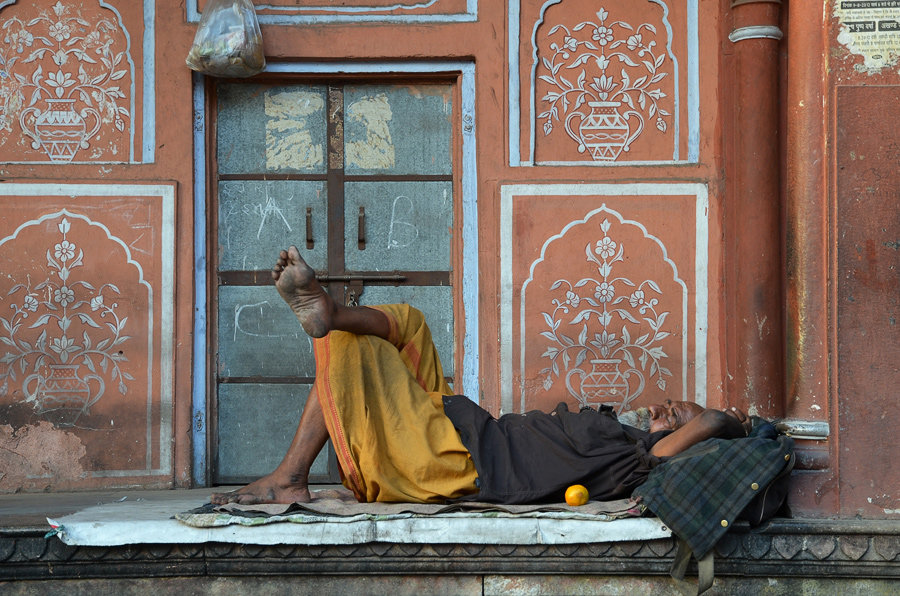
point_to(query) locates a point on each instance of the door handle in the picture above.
(361, 229)
(310, 243)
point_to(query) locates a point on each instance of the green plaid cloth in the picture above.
(700, 493)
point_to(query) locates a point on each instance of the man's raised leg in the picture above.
(317, 312)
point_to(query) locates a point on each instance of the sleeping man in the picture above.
(401, 435)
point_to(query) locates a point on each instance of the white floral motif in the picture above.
(57, 304)
(605, 292)
(64, 295)
(596, 82)
(64, 251)
(637, 298)
(602, 35)
(620, 364)
(63, 346)
(606, 247)
(60, 31)
(634, 42)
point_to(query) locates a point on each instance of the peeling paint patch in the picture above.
(870, 30)
(376, 152)
(761, 324)
(882, 501)
(39, 457)
(289, 142)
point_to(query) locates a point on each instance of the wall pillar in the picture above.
(753, 212)
(808, 407)
(806, 217)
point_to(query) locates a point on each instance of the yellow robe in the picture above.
(382, 402)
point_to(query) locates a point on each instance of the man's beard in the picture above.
(639, 418)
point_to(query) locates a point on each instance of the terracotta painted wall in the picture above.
(863, 156)
(95, 241)
(609, 227)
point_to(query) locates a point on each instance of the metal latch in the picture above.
(352, 292)
(353, 284)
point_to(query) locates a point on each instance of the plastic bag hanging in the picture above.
(228, 42)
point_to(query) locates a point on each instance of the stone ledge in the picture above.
(785, 548)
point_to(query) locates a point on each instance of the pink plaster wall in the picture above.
(548, 238)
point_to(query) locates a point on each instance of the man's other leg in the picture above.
(289, 482)
(318, 314)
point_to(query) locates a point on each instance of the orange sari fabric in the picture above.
(382, 402)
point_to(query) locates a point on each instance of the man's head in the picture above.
(669, 415)
(672, 415)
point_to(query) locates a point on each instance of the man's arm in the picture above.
(729, 424)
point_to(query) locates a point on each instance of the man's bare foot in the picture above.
(297, 284)
(268, 489)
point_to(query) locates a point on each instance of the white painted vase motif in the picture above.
(604, 384)
(59, 129)
(604, 131)
(63, 390)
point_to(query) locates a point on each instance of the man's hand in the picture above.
(740, 416)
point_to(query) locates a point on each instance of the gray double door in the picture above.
(359, 176)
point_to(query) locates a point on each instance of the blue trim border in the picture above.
(470, 286)
(351, 14)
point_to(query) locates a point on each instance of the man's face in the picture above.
(672, 415)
